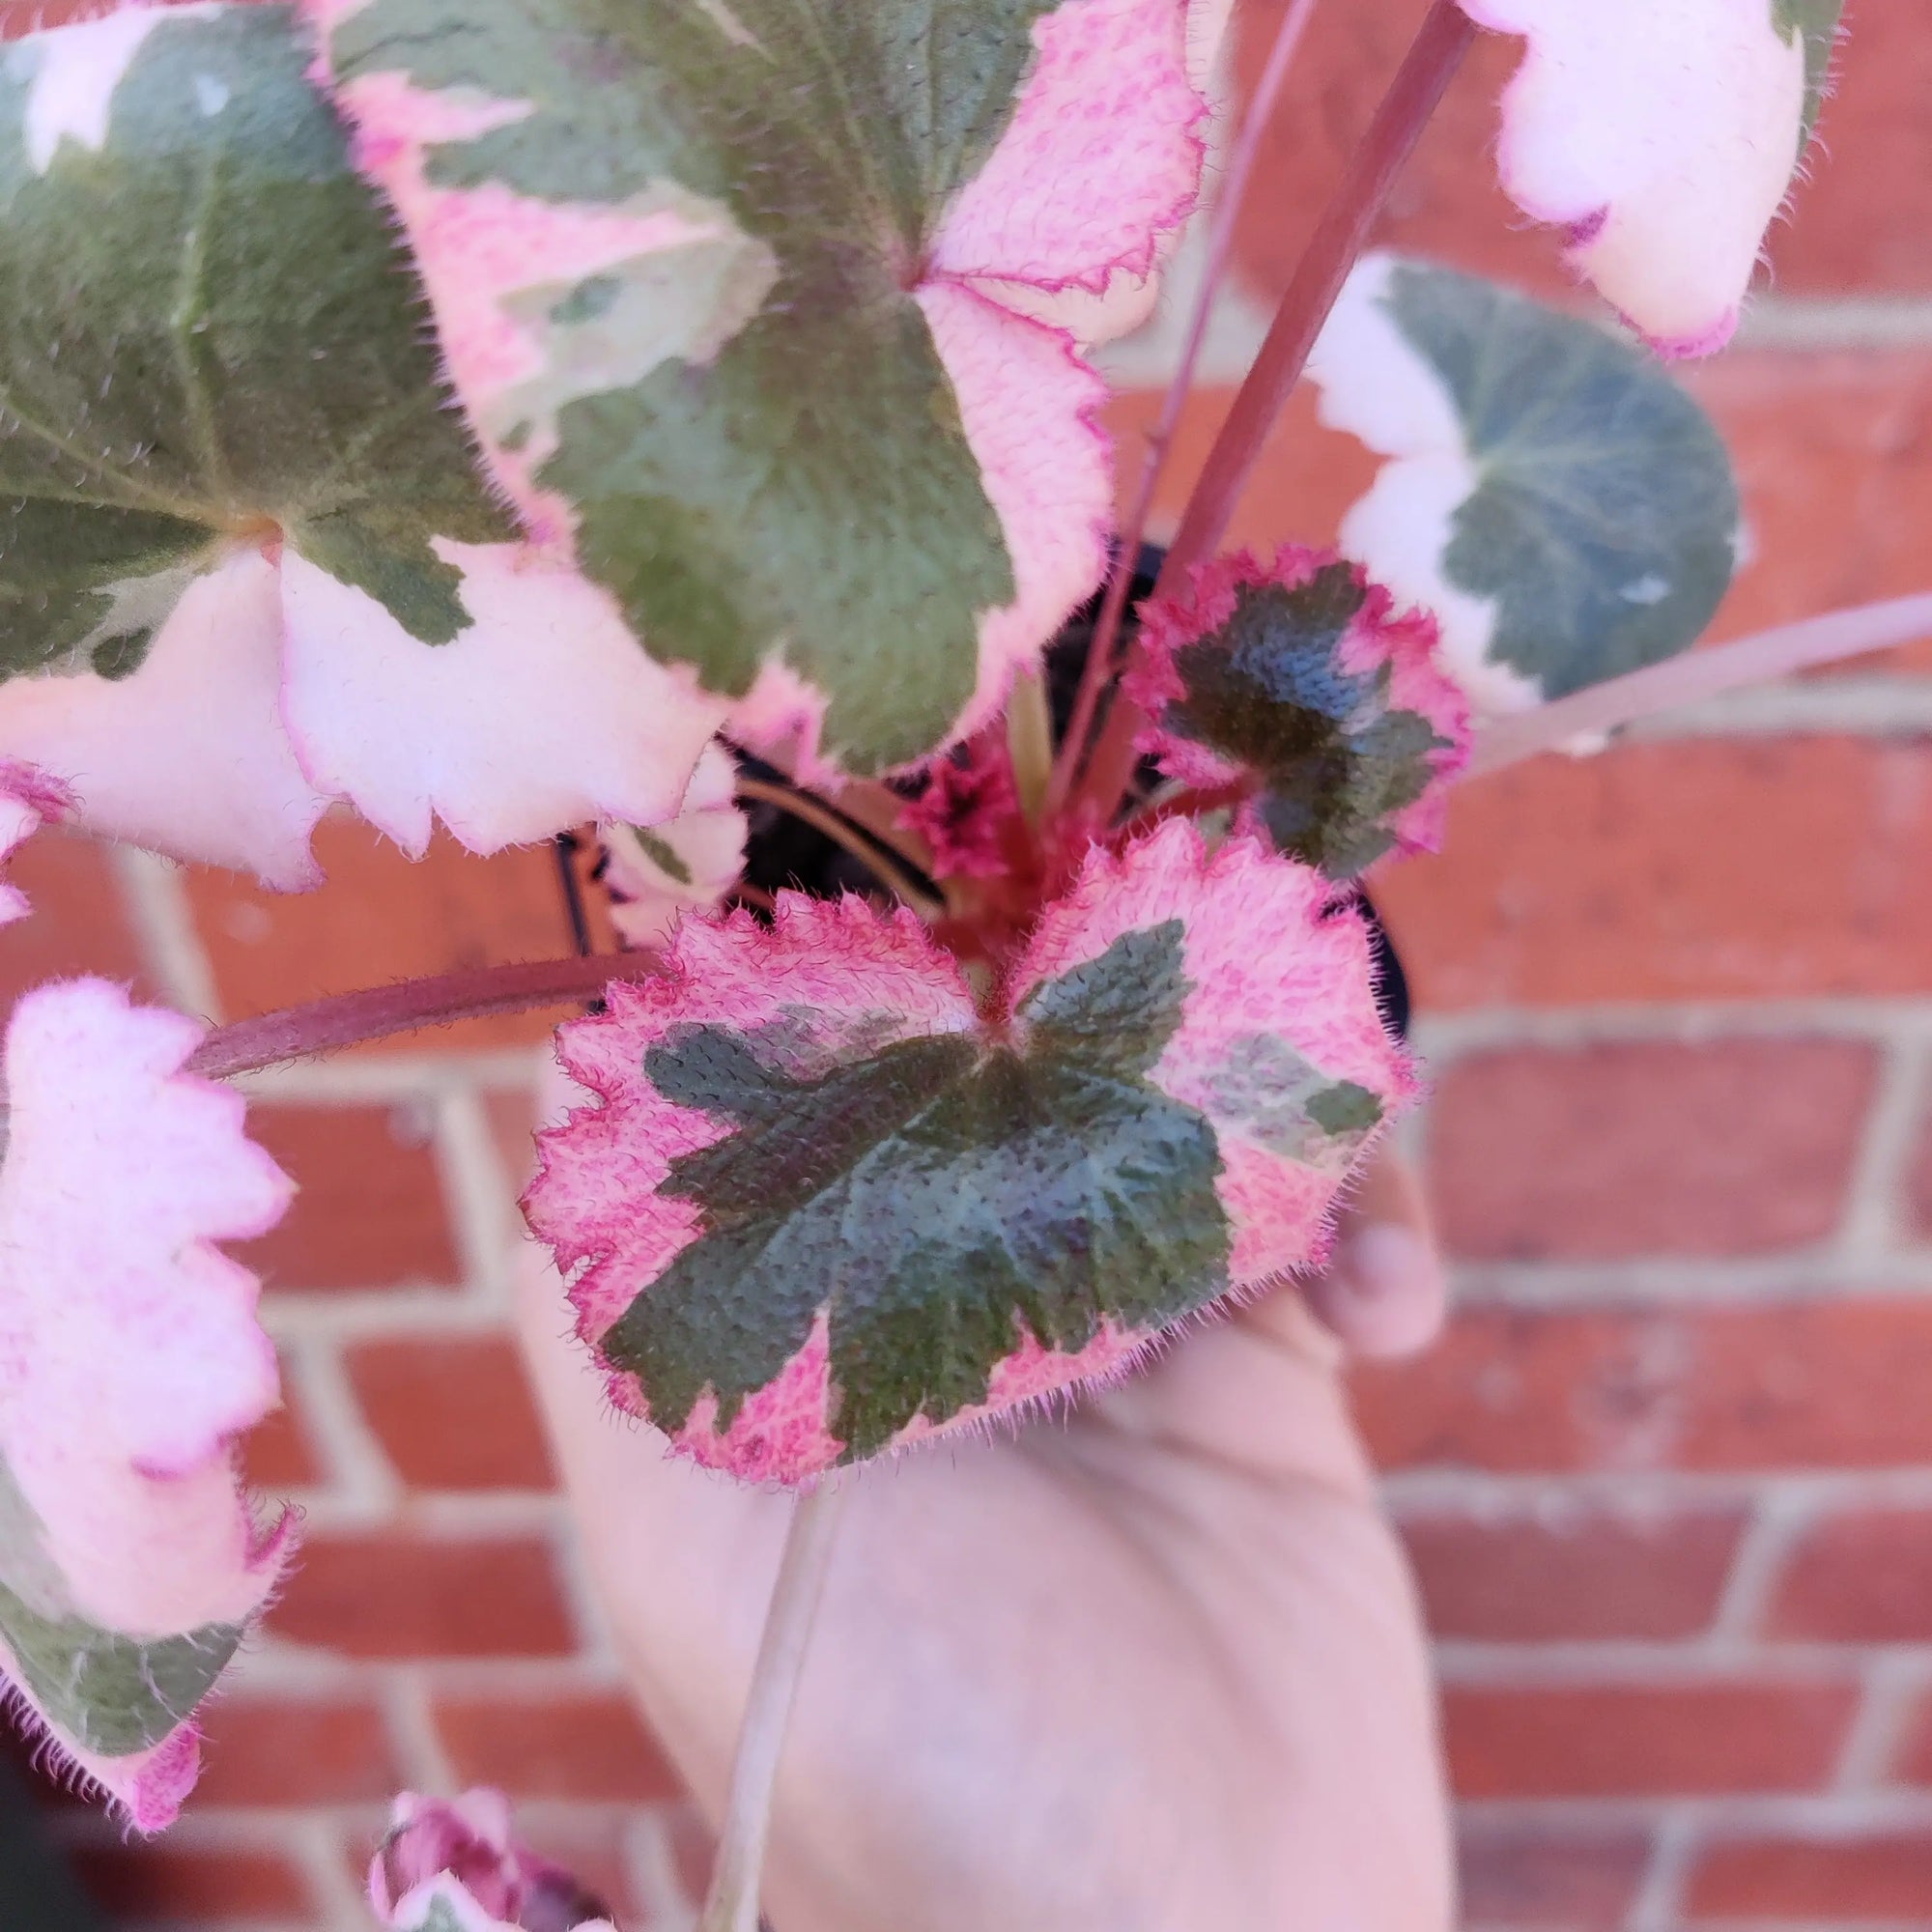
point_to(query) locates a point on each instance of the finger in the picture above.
(1385, 1292)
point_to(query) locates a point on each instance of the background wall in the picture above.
(1669, 1480)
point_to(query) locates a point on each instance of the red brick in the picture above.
(1914, 1752)
(512, 1114)
(79, 924)
(380, 919)
(1632, 1740)
(1864, 1576)
(193, 1889)
(591, 1747)
(1304, 483)
(1735, 1146)
(1859, 220)
(1860, 223)
(281, 1454)
(1446, 204)
(370, 1210)
(1833, 455)
(392, 1595)
(1582, 1883)
(1831, 1385)
(453, 1413)
(293, 1752)
(1575, 1573)
(1714, 870)
(1872, 1877)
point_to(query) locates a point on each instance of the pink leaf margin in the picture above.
(1267, 949)
(1407, 642)
(130, 1357)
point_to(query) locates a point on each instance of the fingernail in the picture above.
(1384, 1294)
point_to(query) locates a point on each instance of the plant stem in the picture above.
(1030, 743)
(1699, 674)
(733, 1903)
(1096, 672)
(870, 848)
(1339, 239)
(324, 1025)
(565, 847)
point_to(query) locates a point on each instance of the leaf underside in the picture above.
(206, 332)
(930, 1198)
(1265, 691)
(1606, 515)
(806, 488)
(114, 1694)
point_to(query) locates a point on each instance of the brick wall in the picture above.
(1668, 1480)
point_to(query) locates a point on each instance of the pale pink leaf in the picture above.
(542, 714)
(1664, 135)
(129, 1360)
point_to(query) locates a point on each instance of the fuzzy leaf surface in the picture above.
(1559, 504)
(129, 1358)
(1301, 673)
(1664, 135)
(203, 328)
(735, 295)
(872, 1213)
(249, 562)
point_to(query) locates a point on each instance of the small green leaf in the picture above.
(206, 333)
(1561, 505)
(1298, 674)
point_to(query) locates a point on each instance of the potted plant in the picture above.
(521, 415)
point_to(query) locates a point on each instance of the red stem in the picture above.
(1098, 670)
(324, 1025)
(1339, 240)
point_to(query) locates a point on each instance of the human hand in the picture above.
(1154, 1667)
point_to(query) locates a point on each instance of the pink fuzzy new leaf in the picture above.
(825, 1204)
(1301, 675)
(764, 314)
(130, 1359)
(265, 571)
(1664, 134)
(451, 1865)
(966, 808)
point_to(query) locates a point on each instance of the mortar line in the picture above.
(1875, 1220)
(1779, 1519)
(164, 930)
(1660, 1895)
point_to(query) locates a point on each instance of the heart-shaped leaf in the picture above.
(827, 1203)
(129, 1566)
(1664, 134)
(250, 561)
(1558, 504)
(1300, 675)
(735, 293)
